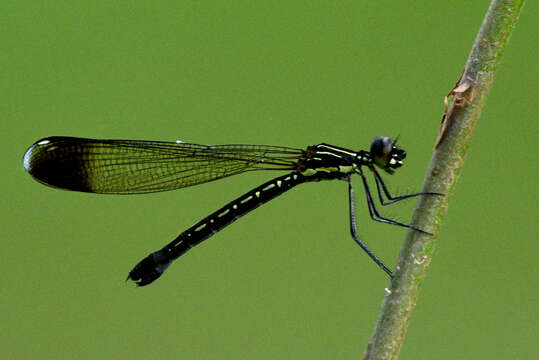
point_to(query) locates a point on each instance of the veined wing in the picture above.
(134, 167)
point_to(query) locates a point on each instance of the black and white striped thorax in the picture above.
(331, 162)
(326, 161)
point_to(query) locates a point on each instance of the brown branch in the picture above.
(461, 114)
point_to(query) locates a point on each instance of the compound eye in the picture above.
(381, 148)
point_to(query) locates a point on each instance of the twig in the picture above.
(467, 99)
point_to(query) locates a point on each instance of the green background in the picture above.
(285, 282)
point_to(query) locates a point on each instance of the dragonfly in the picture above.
(140, 166)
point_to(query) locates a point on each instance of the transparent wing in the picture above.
(133, 167)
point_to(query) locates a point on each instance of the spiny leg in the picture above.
(353, 230)
(381, 186)
(375, 215)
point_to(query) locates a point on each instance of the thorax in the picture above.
(329, 161)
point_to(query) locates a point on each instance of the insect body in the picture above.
(133, 167)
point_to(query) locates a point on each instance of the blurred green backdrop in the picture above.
(285, 282)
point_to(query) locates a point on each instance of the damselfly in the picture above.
(134, 167)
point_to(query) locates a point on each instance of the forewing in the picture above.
(132, 166)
